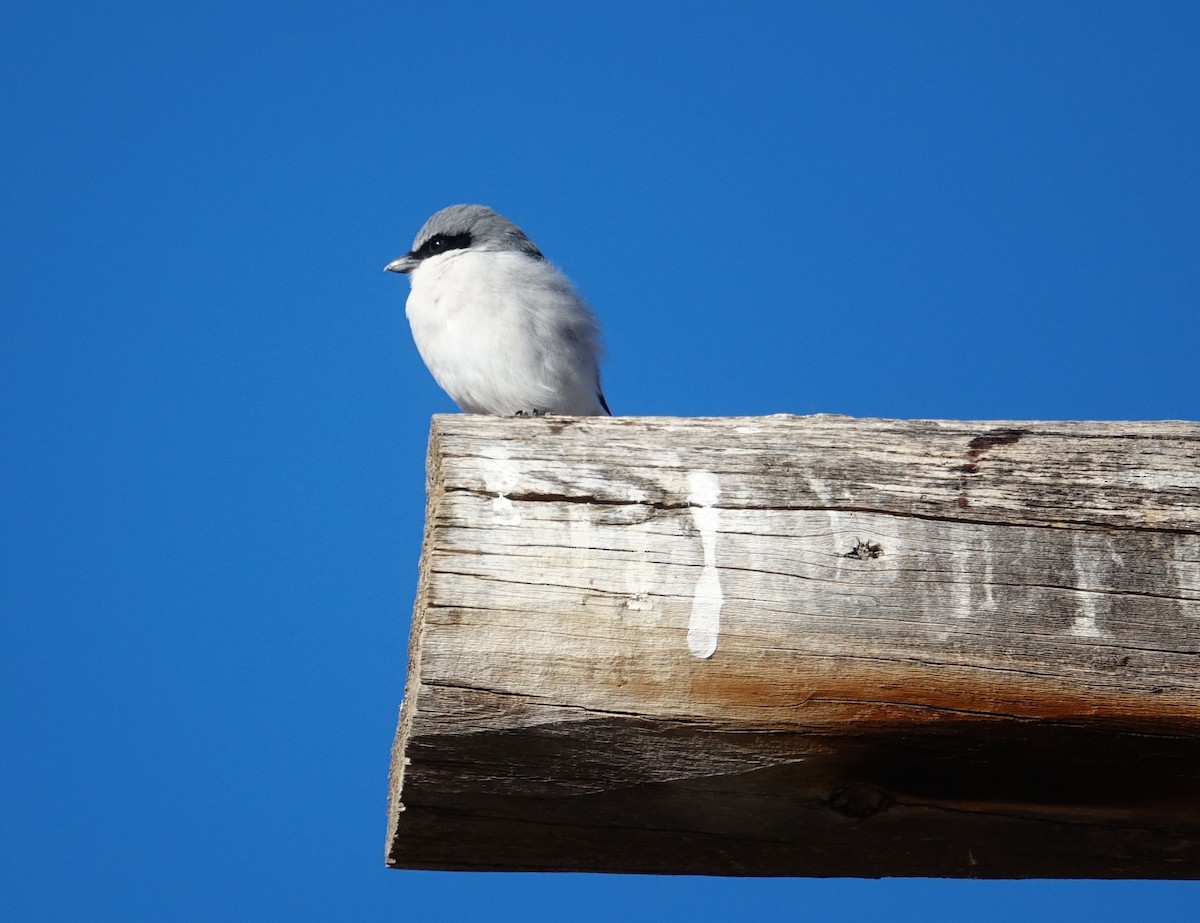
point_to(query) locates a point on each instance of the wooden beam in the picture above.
(805, 646)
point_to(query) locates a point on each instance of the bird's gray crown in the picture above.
(474, 226)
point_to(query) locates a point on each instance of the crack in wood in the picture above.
(1003, 516)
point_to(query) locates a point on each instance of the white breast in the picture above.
(503, 333)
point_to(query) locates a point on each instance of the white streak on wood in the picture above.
(639, 572)
(1084, 625)
(501, 476)
(960, 588)
(1093, 570)
(705, 623)
(1186, 565)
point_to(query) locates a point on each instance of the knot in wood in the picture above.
(864, 551)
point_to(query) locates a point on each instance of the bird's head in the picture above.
(463, 228)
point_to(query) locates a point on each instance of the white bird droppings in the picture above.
(1094, 567)
(1085, 626)
(705, 623)
(504, 513)
(501, 476)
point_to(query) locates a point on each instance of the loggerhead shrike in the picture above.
(501, 330)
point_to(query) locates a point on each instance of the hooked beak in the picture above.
(405, 264)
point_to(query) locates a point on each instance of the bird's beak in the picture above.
(405, 264)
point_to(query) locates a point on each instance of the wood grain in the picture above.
(805, 646)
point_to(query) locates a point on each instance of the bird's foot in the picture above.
(530, 413)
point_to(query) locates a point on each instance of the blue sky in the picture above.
(217, 420)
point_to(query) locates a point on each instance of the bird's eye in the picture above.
(440, 243)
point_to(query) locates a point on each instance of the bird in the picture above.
(501, 330)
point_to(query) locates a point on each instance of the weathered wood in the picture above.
(805, 646)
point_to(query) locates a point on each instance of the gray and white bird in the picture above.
(501, 330)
